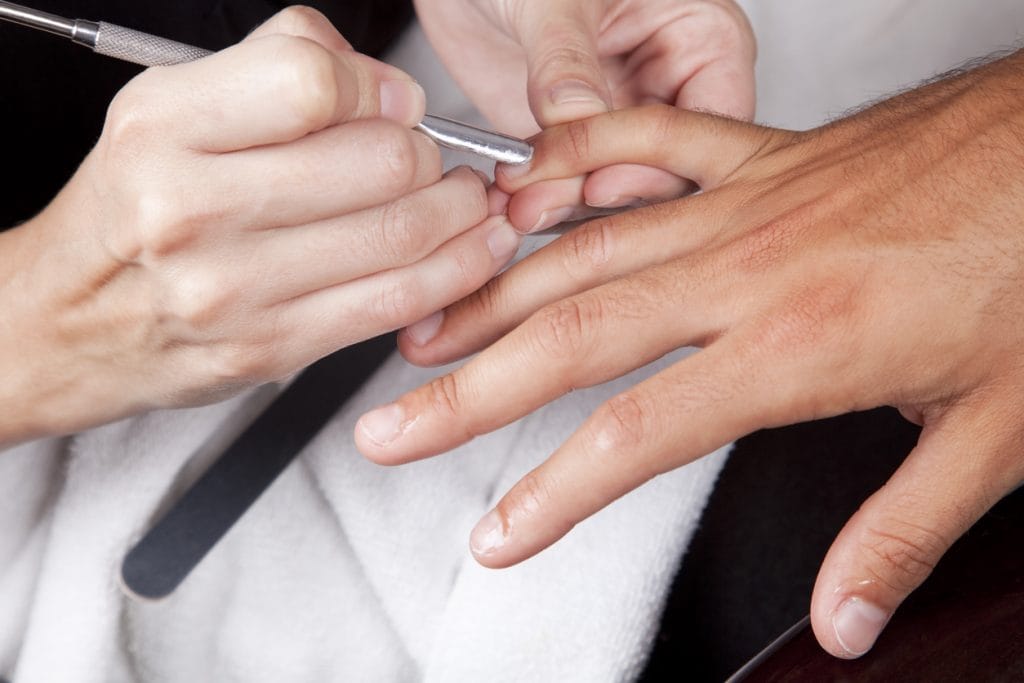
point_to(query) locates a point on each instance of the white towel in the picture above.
(346, 570)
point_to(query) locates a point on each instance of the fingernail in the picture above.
(383, 425)
(401, 101)
(552, 217)
(614, 202)
(578, 92)
(513, 171)
(422, 332)
(503, 241)
(857, 625)
(489, 534)
(484, 178)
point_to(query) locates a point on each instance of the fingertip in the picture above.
(403, 101)
(570, 100)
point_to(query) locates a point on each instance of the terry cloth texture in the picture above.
(343, 571)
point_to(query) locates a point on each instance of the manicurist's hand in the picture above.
(875, 261)
(529, 65)
(240, 217)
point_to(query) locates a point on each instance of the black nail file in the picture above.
(166, 555)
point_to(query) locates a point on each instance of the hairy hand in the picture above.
(240, 217)
(875, 261)
(529, 65)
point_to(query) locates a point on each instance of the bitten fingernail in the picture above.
(489, 534)
(383, 425)
(857, 625)
(422, 332)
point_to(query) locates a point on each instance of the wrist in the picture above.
(47, 292)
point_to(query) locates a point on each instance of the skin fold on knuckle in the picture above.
(561, 330)
(394, 160)
(530, 497)
(444, 397)
(482, 311)
(587, 250)
(401, 235)
(568, 57)
(622, 425)
(396, 304)
(576, 143)
(900, 555)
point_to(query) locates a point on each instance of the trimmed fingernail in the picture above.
(422, 332)
(489, 534)
(578, 92)
(486, 179)
(614, 202)
(857, 624)
(401, 101)
(513, 171)
(552, 217)
(503, 241)
(383, 425)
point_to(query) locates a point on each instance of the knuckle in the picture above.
(487, 303)
(396, 158)
(532, 493)
(395, 304)
(903, 554)
(812, 316)
(161, 225)
(568, 56)
(622, 422)
(128, 125)
(467, 273)
(306, 79)
(444, 395)
(663, 123)
(400, 235)
(561, 328)
(199, 300)
(587, 249)
(577, 137)
(300, 20)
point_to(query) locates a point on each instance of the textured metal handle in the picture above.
(142, 48)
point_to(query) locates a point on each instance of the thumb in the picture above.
(961, 466)
(565, 80)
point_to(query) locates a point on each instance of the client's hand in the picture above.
(875, 261)
(240, 217)
(527, 64)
